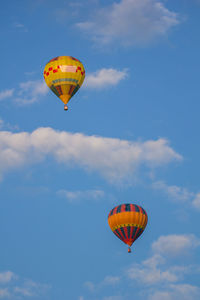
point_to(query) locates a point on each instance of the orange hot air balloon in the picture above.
(127, 221)
(64, 75)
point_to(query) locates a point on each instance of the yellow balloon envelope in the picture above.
(64, 75)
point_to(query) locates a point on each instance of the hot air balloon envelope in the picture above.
(127, 221)
(64, 75)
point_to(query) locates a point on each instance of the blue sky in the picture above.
(130, 136)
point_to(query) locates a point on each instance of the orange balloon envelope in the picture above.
(64, 75)
(127, 221)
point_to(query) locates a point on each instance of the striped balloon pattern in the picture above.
(127, 221)
(64, 75)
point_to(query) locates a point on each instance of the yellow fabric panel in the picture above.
(144, 220)
(126, 225)
(128, 217)
(57, 65)
(66, 88)
(65, 98)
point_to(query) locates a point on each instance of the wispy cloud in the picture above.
(107, 281)
(29, 288)
(23, 291)
(30, 92)
(20, 26)
(156, 269)
(69, 11)
(149, 272)
(176, 292)
(6, 94)
(4, 293)
(177, 193)
(104, 78)
(130, 22)
(7, 276)
(173, 191)
(158, 276)
(13, 287)
(75, 196)
(196, 201)
(5, 125)
(113, 297)
(175, 245)
(113, 158)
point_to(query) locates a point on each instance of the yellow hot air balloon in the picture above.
(64, 75)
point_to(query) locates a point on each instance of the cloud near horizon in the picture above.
(113, 158)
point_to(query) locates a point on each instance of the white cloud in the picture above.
(90, 286)
(113, 158)
(173, 191)
(23, 291)
(175, 244)
(4, 293)
(5, 125)
(107, 281)
(160, 278)
(29, 288)
(186, 291)
(130, 22)
(74, 196)
(20, 26)
(177, 292)
(110, 280)
(151, 272)
(6, 277)
(157, 275)
(16, 287)
(104, 77)
(6, 94)
(177, 193)
(113, 298)
(30, 92)
(196, 201)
